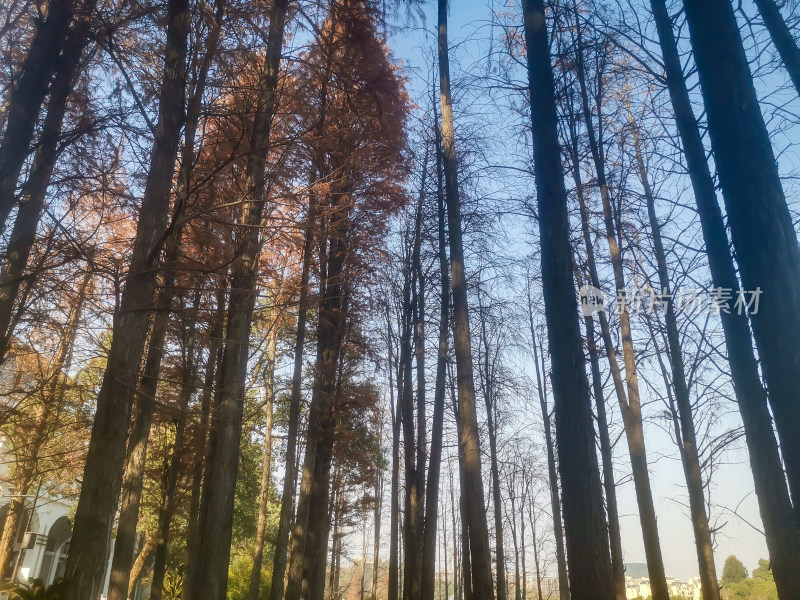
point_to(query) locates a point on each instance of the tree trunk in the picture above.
(210, 579)
(29, 94)
(552, 476)
(437, 429)
(212, 363)
(140, 562)
(783, 540)
(761, 226)
(102, 477)
(631, 408)
(590, 571)
(497, 500)
(295, 399)
(309, 538)
(782, 38)
(376, 547)
(686, 435)
(394, 517)
(263, 503)
(412, 530)
(469, 442)
(609, 485)
(35, 190)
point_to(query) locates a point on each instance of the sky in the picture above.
(735, 510)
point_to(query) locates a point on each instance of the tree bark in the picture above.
(210, 580)
(552, 475)
(469, 442)
(212, 362)
(102, 477)
(497, 500)
(775, 506)
(437, 428)
(295, 399)
(35, 189)
(631, 407)
(590, 571)
(686, 436)
(263, 503)
(29, 94)
(393, 593)
(761, 226)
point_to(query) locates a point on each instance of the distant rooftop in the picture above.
(636, 570)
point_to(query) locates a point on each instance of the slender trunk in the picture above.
(469, 442)
(783, 540)
(590, 571)
(29, 94)
(631, 409)
(295, 398)
(35, 189)
(686, 434)
(394, 517)
(210, 580)
(466, 563)
(377, 534)
(412, 532)
(782, 38)
(437, 429)
(497, 499)
(170, 500)
(309, 536)
(263, 503)
(102, 477)
(524, 556)
(456, 565)
(51, 402)
(761, 225)
(536, 563)
(609, 485)
(552, 475)
(212, 362)
(141, 560)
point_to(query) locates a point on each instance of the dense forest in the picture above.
(322, 299)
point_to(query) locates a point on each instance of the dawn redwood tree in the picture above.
(208, 579)
(761, 226)
(94, 516)
(590, 572)
(630, 401)
(437, 427)
(685, 433)
(783, 540)
(469, 442)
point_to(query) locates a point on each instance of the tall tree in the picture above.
(761, 226)
(587, 537)
(783, 540)
(469, 442)
(209, 578)
(85, 568)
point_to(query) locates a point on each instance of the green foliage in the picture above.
(173, 586)
(733, 571)
(239, 575)
(35, 590)
(761, 586)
